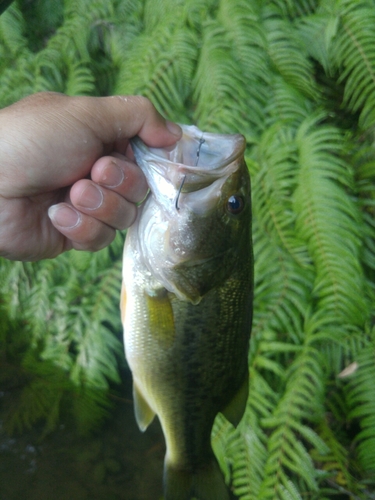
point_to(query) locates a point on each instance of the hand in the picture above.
(66, 175)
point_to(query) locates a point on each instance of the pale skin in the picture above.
(67, 177)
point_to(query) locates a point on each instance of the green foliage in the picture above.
(297, 78)
(60, 346)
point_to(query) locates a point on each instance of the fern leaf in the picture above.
(12, 30)
(79, 80)
(318, 32)
(321, 179)
(287, 453)
(293, 9)
(355, 57)
(242, 24)
(38, 399)
(361, 400)
(160, 67)
(281, 291)
(286, 104)
(273, 184)
(284, 46)
(219, 78)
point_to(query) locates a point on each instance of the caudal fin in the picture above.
(206, 483)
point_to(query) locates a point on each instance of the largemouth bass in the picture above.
(187, 301)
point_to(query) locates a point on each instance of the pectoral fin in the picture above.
(161, 317)
(236, 408)
(144, 415)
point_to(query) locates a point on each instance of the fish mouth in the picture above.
(197, 147)
(194, 162)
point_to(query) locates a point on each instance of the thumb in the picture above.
(116, 119)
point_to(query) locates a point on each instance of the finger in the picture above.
(83, 232)
(103, 204)
(120, 175)
(115, 119)
(69, 134)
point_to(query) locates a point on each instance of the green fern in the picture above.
(284, 46)
(71, 319)
(355, 56)
(361, 402)
(323, 177)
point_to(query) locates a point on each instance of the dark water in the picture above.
(118, 463)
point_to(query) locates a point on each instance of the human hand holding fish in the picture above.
(66, 177)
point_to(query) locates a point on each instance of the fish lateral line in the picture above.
(201, 141)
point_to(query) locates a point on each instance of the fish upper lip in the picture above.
(236, 145)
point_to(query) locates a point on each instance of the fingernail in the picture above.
(112, 175)
(91, 197)
(64, 216)
(174, 128)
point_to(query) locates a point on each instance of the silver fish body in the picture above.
(187, 301)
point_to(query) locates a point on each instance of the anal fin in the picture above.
(144, 415)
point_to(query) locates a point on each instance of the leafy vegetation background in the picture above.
(297, 78)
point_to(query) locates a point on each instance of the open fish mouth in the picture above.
(193, 163)
(211, 150)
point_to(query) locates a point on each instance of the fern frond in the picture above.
(361, 400)
(293, 64)
(247, 450)
(90, 406)
(365, 189)
(286, 105)
(287, 444)
(296, 8)
(160, 66)
(323, 178)
(242, 452)
(273, 185)
(17, 83)
(242, 24)
(219, 78)
(79, 80)
(318, 32)
(37, 399)
(12, 33)
(71, 316)
(354, 55)
(335, 463)
(282, 289)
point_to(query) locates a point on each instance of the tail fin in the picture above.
(206, 483)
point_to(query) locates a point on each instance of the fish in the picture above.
(186, 301)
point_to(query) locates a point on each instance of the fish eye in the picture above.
(235, 204)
